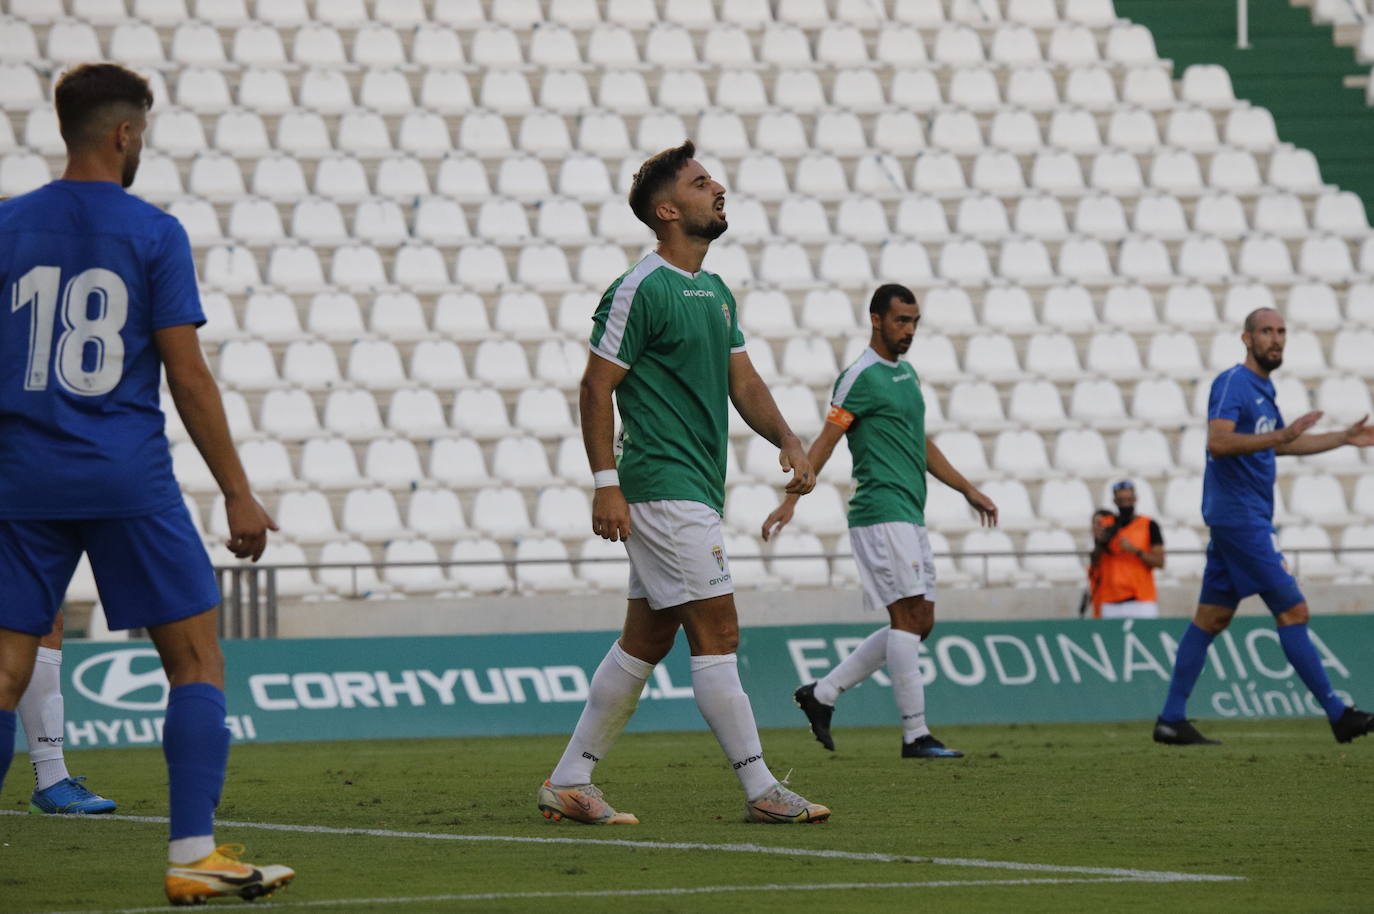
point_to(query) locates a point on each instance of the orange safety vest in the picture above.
(1122, 576)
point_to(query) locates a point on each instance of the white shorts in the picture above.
(894, 561)
(1131, 609)
(677, 553)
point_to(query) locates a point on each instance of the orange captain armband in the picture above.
(840, 416)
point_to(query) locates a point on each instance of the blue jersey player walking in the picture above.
(99, 297)
(1244, 434)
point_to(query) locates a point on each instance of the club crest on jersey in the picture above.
(719, 554)
(725, 312)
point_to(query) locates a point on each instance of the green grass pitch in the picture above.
(1280, 805)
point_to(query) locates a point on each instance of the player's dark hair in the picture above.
(657, 172)
(88, 91)
(882, 298)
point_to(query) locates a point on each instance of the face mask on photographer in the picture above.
(1123, 493)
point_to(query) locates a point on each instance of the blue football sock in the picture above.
(195, 742)
(1297, 647)
(1192, 654)
(7, 730)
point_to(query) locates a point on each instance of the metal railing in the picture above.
(250, 605)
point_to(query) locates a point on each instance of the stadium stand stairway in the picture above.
(1293, 69)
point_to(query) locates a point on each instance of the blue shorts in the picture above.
(148, 570)
(1242, 561)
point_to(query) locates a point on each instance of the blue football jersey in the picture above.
(1239, 491)
(89, 272)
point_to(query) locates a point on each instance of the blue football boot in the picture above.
(69, 797)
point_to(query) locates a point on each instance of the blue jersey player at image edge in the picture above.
(1245, 435)
(100, 298)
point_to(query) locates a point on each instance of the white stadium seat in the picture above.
(1307, 548)
(352, 413)
(1020, 454)
(329, 463)
(542, 565)
(356, 581)
(1081, 451)
(436, 514)
(371, 515)
(1066, 502)
(307, 515)
(480, 567)
(402, 572)
(1055, 567)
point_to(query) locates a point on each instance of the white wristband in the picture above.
(603, 478)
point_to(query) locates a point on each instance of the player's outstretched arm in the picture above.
(820, 452)
(610, 511)
(756, 407)
(943, 470)
(197, 400)
(1361, 434)
(1224, 441)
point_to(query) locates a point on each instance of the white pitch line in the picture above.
(631, 893)
(1130, 874)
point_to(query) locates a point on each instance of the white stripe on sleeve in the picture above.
(851, 374)
(609, 344)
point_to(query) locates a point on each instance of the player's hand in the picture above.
(781, 517)
(987, 511)
(1302, 424)
(1360, 434)
(793, 460)
(248, 526)
(610, 514)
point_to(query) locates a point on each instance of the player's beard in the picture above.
(126, 177)
(1268, 363)
(709, 228)
(897, 344)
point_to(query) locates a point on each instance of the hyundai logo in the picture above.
(113, 677)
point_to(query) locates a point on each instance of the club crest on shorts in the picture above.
(719, 553)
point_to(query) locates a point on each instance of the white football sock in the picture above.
(863, 662)
(611, 700)
(904, 668)
(41, 709)
(721, 700)
(183, 851)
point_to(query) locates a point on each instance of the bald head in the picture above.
(1265, 336)
(1252, 320)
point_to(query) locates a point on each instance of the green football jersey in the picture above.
(879, 404)
(674, 331)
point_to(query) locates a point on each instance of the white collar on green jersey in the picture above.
(659, 257)
(892, 364)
